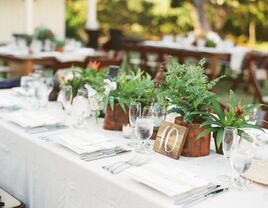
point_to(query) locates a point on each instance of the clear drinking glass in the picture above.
(80, 108)
(66, 96)
(241, 159)
(228, 142)
(134, 113)
(25, 84)
(155, 112)
(40, 92)
(143, 129)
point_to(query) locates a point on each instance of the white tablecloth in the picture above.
(45, 175)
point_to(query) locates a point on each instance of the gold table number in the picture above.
(170, 139)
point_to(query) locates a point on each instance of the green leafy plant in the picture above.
(187, 90)
(59, 43)
(210, 43)
(82, 76)
(42, 33)
(132, 87)
(235, 115)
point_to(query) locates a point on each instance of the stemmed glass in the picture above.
(241, 159)
(143, 130)
(65, 97)
(134, 113)
(228, 142)
(25, 84)
(41, 94)
(155, 112)
(80, 107)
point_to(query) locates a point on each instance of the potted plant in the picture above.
(42, 33)
(59, 45)
(79, 77)
(188, 90)
(210, 43)
(234, 115)
(120, 93)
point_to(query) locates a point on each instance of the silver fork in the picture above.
(134, 161)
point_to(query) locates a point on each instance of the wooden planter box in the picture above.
(114, 119)
(193, 147)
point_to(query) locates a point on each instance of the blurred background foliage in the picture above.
(243, 20)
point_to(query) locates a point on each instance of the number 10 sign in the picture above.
(170, 139)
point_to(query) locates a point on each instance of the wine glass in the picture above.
(50, 84)
(65, 97)
(229, 140)
(241, 159)
(143, 129)
(25, 84)
(155, 112)
(134, 113)
(80, 108)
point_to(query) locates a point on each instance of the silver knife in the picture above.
(106, 155)
(204, 197)
(181, 199)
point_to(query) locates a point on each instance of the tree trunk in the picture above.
(202, 26)
(252, 31)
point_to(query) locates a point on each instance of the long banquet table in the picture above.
(233, 55)
(44, 174)
(54, 59)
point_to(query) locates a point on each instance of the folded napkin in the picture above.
(168, 180)
(32, 119)
(81, 142)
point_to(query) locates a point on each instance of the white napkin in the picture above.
(81, 142)
(32, 119)
(168, 180)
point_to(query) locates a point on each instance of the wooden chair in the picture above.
(8, 201)
(252, 73)
(262, 116)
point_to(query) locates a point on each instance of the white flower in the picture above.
(90, 91)
(95, 103)
(109, 86)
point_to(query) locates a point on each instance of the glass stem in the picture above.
(227, 162)
(133, 135)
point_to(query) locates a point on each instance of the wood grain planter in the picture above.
(114, 119)
(60, 49)
(193, 147)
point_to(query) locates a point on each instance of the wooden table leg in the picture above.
(27, 67)
(213, 67)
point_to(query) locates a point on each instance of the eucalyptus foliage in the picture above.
(187, 89)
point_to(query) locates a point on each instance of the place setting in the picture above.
(137, 104)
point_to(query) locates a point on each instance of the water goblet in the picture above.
(80, 108)
(143, 129)
(134, 113)
(228, 142)
(241, 159)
